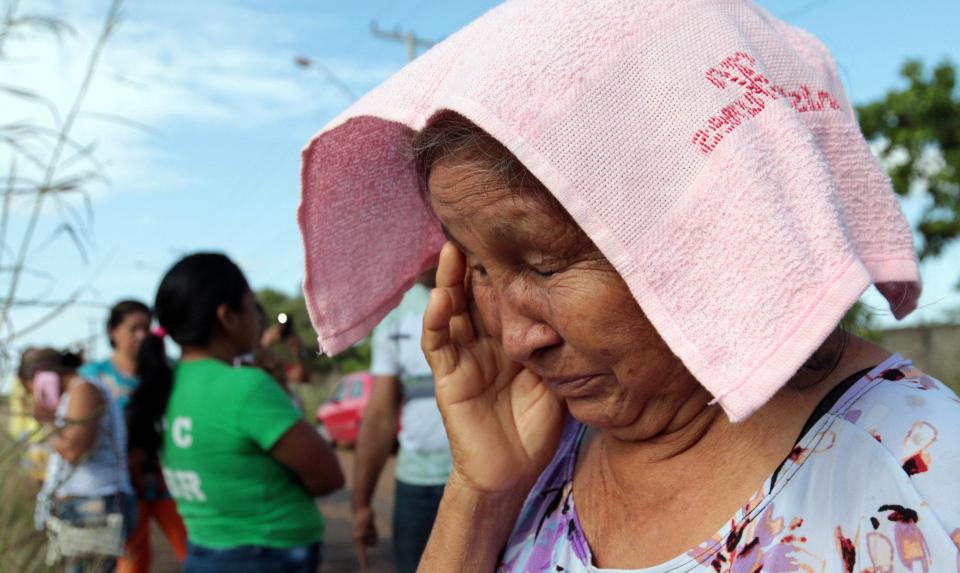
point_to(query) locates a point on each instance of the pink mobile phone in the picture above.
(46, 389)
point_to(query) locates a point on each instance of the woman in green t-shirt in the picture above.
(239, 460)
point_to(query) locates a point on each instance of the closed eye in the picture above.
(544, 273)
(544, 269)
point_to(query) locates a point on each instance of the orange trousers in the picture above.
(138, 551)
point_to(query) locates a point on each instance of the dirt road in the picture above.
(338, 552)
(339, 555)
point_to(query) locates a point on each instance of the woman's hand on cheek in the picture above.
(502, 423)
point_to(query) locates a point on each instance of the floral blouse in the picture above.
(872, 487)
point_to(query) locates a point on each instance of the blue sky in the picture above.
(228, 112)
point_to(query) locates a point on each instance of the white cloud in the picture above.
(205, 63)
(175, 68)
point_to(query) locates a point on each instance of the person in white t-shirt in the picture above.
(402, 392)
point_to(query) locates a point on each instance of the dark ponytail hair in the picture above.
(186, 308)
(122, 310)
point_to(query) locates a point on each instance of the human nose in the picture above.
(523, 330)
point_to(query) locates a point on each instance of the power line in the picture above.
(803, 9)
(409, 38)
(58, 303)
(414, 8)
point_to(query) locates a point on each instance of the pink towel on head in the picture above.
(707, 148)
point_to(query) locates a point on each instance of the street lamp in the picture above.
(307, 63)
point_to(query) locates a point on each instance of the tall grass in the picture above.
(47, 167)
(22, 547)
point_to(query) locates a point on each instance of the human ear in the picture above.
(226, 317)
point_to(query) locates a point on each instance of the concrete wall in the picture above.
(933, 349)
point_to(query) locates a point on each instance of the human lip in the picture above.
(568, 384)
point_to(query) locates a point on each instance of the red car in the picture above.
(342, 412)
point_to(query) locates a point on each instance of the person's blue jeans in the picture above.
(414, 510)
(252, 559)
(76, 509)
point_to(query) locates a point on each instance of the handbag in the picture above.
(98, 536)
(92, 536)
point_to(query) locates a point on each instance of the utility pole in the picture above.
(409, 38)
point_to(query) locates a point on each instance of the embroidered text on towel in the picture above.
(739, 69)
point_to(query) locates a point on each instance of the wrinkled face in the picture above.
(128, 335)
(558, 306)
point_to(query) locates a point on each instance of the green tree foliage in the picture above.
(351, 360)
(860, 320)
(917, 131)
(275, 302)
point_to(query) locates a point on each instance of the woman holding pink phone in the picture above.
(86, 479)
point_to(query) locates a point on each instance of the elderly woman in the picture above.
(651, 218)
